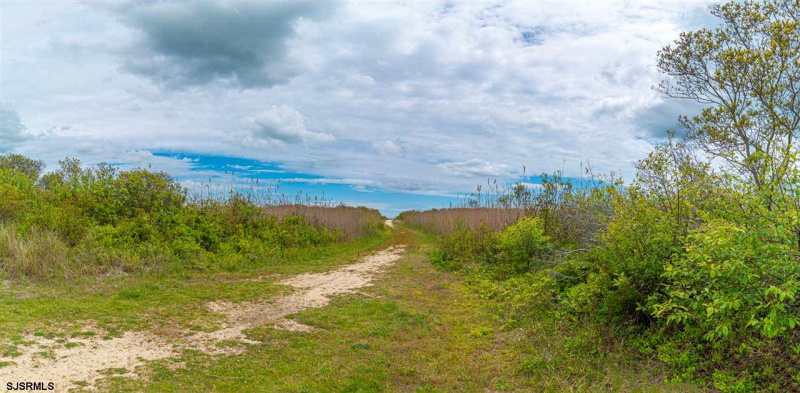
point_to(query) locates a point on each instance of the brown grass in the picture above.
(351, 222)
(444, 221)
(42, 254)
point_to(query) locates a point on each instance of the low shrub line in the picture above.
(81, 221)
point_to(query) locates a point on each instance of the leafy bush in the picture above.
(731, 280)
(626, 267)
(523, 246)
(700, 255)
(465, 247)
(78, 221)
(517, 249)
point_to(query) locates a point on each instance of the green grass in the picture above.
(149, 301)
(417, 329)
(420, 329)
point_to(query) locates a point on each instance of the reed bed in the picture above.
(350, 222)
(445, 221)
(317, 210)
(573, 208)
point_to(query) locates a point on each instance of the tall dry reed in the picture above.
(570, 208)
(444, 221)
(351, 222)
(39, 255)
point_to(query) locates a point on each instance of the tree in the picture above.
(748, 70)
(18, 163)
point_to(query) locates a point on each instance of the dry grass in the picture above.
(41, 254)
(351, 222)
(445, 221)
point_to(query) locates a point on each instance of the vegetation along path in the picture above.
(389, 321)
(80, 360)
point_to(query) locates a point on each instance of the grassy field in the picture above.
(416, 329)
(162, 301)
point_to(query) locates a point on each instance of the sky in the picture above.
(395, 106)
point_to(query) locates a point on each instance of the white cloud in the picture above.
(284, 124)
(413, 92)
(360, 81)
(361, 182)
(476, 167)
(386, 147)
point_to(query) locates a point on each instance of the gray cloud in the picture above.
(12, 131)
(655, 120)
(196, 43)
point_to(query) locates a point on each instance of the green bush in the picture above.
(465, 247)
(730, 281)
(99, 220)
(517, 249)
(700, 255)
(627, 265)
(523, 246)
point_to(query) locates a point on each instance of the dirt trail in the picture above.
(48, 360)
(314, 290)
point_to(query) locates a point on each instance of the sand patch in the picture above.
(46, 360)
(314, 290)
(83, 359)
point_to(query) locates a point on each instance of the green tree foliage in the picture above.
(25, 166)
(747, 70)
(704, 246)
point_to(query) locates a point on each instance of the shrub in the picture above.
(78, 221)
(523, 246)
(22, 165)
(700, 254)
(139, 192)
(731, 280)
(465, 247)
(18, 193)
(626, 266)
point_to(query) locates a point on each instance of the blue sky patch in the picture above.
(224, 173)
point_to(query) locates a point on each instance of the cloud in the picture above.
(531, 186)
(406, 95)
(386, 147)
(475, 167)
(195, 43)
(12, 131)
(359, 182)
(654, 120)
(360, 81)
(286, 125)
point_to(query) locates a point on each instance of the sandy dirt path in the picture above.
(47, 360)
(313, 290)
